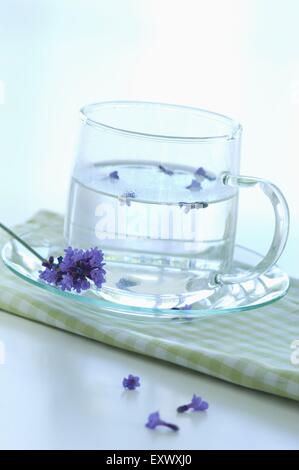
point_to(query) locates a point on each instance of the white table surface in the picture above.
(61, 391)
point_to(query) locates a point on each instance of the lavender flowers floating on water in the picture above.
(200, 175)
(114, 175)
(131, 382)
(194, 186)
(154, 420)
(75, 269)
(167, 171)
(196, 404)
(204, 174)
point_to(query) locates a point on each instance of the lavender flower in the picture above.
(196, 404)
(114, 175)
(201, 172)
(125, 284)
(75, 269)
(166, 170)
(154, 420)
(131, 382)
(194, 186)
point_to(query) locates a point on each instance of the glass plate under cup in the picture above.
(224, 299)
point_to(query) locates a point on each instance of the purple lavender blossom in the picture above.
(154, 420)
(131, 382)
(196, 404)
(75, 269)
(125, 284)
(201, 172)
(194, 186)
(114, 175)
(167, 171)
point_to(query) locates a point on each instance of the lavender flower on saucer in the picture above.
(75, 270)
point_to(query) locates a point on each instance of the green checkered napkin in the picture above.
(252, 348)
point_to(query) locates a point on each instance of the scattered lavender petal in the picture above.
(154, 420)
(131, 382)
(196, 404)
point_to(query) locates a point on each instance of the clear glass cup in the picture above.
(155, 186)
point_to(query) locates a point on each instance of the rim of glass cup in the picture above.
(235, 126)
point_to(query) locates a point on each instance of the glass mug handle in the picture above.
(281, 212)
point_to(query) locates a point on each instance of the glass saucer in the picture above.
(225, 299)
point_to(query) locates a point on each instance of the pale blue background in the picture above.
(237, 57)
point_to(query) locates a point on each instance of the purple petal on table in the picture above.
(131, 382)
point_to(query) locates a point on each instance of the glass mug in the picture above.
(155, 186)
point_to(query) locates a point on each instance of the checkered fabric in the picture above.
(252, 349)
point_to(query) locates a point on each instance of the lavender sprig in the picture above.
(154, 420)
(196, 404)
(75, 269)
(22, 242)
